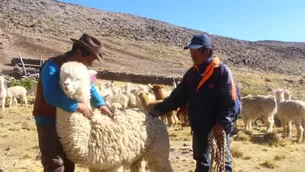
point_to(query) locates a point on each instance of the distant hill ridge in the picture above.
(57, 18)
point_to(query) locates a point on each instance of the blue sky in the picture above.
(242, 19)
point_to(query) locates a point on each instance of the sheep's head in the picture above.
(75, 80)
(156, 87)
(157, 90)
(143, 95)
(287, 95)
(279, 95)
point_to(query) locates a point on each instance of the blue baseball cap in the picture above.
(199, 41)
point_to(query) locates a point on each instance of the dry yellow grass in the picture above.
(19, 148)
(251, 151)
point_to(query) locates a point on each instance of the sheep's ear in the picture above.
(92, 72)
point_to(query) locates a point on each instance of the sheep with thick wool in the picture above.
(15, 92)
(109, 144)
(3, 92)
(257, 106)
(290, 111)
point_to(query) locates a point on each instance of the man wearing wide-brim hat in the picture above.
(49, 96)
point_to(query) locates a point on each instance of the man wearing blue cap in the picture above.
(209, 89)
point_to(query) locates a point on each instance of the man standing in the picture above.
(210, 90)
(49, 96)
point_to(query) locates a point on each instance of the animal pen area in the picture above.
(254, 150)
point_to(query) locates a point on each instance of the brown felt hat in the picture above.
(90, 43)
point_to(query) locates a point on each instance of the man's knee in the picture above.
(52, 155)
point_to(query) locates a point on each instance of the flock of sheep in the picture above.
(266, 107)
(276, 105)
(11, 94)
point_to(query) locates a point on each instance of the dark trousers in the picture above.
(53, 158)
(201, 153)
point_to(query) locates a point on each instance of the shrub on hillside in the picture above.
(26, 83)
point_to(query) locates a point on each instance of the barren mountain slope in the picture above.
(131, 43)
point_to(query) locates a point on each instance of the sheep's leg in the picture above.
(15, 101)
(25, 101)
(3, 103)
(170, 119)
(185, 120)
(246, 123)
(269, 123)
(284, 125)
(179, 116)
(303, 124)
(249, 125)
(289, 128)
(299, 131)
(10, 102)
(175, 119)
(138, 166)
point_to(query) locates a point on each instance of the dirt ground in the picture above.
(19, 148)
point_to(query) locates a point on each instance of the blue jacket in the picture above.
(213, 103)
(53, 95)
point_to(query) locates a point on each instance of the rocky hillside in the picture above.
(49, 18)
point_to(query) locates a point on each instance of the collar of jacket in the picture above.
(201, 67)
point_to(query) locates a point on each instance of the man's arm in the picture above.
(177, 98)
(52, 93)
(96, 99)
(228, 98)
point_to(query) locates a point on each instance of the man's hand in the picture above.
(82, 108)
(104, 109)
(218, 130)
(155, 113)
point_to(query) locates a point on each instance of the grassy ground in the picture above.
(251, 152)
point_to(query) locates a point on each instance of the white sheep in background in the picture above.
(3, 92)
(126, 88)
(115, 90)
(281, 95)
(105, 144)
(15, 92)
(258, 106)
(104, 90)
(292, 111)
(117, 98)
